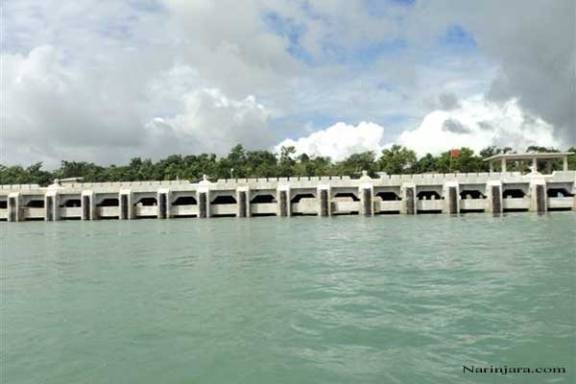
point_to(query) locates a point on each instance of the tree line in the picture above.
(242, 163)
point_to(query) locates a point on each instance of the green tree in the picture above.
(356, 163)
(286, 163)
(572, 158)
(426, 164)
(467, 161)
(397, 160)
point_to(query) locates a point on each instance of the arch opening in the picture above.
(147, 202)
(72, 203)
(224, 200)
(513, 193)
(263, 199)
(388, 196)
(300, 196)
(347, 195)
(472, 194)
(109, 202)
(558, 192)
(185, 200)
(35, 203)
(428, 195)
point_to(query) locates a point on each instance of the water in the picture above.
(299, 300)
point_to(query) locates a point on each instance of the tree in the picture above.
(425, 164)
(358, 162)
(286, 161)
(396, 160)
(263, 163)
(467, 161)
(37, 175)
(572, 158)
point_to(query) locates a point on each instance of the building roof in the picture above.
(529, 156)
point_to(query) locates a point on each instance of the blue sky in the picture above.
(105, 81)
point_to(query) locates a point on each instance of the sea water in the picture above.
(387, 299)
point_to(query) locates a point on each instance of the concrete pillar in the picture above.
(203, 203)
(163, 198)
(503, 162)
(14, 205)
(126, 206)
(494, 195)
(52, 206)
(451, 198)
(538, 196)
(283, 194)
(565, 163)
(89, 211)
(534, 165)
(324, 206)
(366, 193)
(408, 192)
(243, 199)
(491, 163)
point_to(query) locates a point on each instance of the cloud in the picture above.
(454, 126)
(339, 140)
(533, 45)
(477, 124)
(107, 80)
(49, 104)
(212, 122)
(537, 56)
(58, 109)
(448, 101)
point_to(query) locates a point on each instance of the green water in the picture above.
(299, 300)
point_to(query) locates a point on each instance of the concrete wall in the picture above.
(481, 192)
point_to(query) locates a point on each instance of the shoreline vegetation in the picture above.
(242, 163)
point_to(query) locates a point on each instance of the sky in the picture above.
(109, 80)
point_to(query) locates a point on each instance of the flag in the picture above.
(454, 153)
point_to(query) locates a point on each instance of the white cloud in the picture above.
(477, 124)
(107, 80)
(339, 140)
(474, 123)
(212, 122)
(58, 109)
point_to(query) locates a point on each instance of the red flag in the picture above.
(454, 153)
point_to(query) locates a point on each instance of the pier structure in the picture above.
(534, 158)
(452, 193)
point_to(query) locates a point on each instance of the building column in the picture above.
(491, 164)
(163, 198)
(366, 192)
(451, 198)
(52, 206)
(88, 206)
(283, 193)
(324, 204)
(503, 164)
(534, 165)
(126, 207)
(203, 203)
(243, 199)
(408, 191)
(538, 196)
(565, 163)
(494, 195)
(14, 205)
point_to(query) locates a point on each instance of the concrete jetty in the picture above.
(448, 193)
